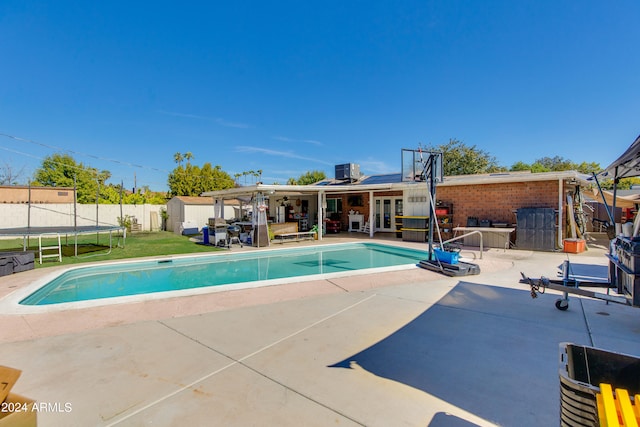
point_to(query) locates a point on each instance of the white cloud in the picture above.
(374, 167)
(305, 141)
(285, 154)
(216, 120)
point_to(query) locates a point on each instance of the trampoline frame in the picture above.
(27, 232)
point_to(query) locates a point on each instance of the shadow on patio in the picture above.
(488, 350)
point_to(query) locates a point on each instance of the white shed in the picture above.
(191, 209)
(196, 211)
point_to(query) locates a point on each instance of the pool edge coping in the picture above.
(10, 303)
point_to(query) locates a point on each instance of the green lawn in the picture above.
(92, 248)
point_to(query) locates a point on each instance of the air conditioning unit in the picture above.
(350, 171)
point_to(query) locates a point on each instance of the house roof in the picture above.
(193, 200)
(491, 178)
(200, 200)
(394, 182)
(526, 176)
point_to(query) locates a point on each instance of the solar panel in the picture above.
(391, 178)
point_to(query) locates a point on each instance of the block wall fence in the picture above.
(13, 215)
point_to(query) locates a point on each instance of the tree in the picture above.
(188, 156)
(310, 177)
(556, 164)
(538, 167)
(111, 194)
(460, 159)
(623, 184)
(192, 180)
(9, 176)
(60, 170)
(520, 166)
(589, 168)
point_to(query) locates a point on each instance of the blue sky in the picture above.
(290, 86)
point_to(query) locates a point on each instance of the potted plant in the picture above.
(125, 222)
(314, 230)
(164, 215)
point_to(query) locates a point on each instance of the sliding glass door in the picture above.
(386, 210)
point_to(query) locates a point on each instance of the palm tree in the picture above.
(188, 156)
(178, 157)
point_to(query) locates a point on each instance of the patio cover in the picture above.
(625, 166)
(606, 197)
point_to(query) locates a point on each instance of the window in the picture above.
(334, 206)
(355, 201)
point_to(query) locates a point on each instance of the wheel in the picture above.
(562, 304)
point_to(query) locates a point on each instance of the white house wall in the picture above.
(415, 202)
(62, 214)
(195, 214)
(200, 214)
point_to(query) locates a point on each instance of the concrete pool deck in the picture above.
(408, 348)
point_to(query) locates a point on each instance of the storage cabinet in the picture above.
(444, 215)
(399, 209)
(415, 228)
(332, 226)
(399, 227)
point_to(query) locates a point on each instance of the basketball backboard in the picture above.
(416, 165)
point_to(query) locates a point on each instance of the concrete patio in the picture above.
(410, 348)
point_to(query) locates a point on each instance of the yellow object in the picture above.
(15, 410)
(617, 410)
(8, 377)
(19, 412)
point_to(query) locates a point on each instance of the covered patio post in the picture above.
(321, 205)
(371, 213)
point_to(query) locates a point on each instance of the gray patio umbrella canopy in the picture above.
(625, 166)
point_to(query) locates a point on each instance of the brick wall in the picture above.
(347, 206)
(364, 209)
(497, 202)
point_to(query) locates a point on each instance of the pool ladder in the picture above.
(41, 249)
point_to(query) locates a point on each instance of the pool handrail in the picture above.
(464, 235)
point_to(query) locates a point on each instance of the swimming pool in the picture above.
(176, 274)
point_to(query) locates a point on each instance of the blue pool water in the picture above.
(143, 277)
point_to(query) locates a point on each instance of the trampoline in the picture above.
(75, 231)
